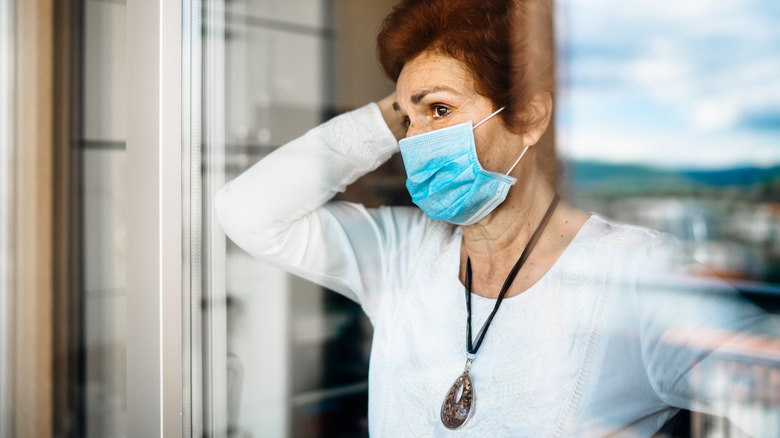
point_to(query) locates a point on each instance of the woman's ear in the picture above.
(539, 112)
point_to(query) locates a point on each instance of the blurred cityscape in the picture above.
(728, 220)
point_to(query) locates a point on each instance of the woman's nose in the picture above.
(416, 129)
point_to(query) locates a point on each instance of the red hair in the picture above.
(507, 45)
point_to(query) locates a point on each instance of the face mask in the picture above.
(445, 178)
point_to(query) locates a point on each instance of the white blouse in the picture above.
(607, 342)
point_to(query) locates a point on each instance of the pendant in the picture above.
(459, 403)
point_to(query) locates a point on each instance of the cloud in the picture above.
(673, 149)
(670, 72)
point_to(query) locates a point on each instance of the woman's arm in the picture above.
(706, 347)
(278, 209)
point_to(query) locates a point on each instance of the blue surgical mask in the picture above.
(445, 178)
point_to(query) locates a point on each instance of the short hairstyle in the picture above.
(507, 45)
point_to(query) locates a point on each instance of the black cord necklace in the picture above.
(460, 400)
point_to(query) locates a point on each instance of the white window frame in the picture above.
(155, 378)
(176, 352)
(6, 144)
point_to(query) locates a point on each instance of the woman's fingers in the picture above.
(393, 118)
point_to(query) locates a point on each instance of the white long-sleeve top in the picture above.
(607, 342)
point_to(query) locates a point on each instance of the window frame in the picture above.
(155, 377)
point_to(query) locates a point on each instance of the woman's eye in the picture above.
(406, 122)
(440, 111)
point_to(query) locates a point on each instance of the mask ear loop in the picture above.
(524, 150)
(517, 161)
(488, 117)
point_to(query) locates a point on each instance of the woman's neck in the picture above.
(509, 227)
(495, 243)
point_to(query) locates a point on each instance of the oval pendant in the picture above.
(459, 403)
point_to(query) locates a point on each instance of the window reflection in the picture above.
(667, 118)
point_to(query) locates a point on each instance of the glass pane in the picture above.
(102, 212)
(104, 296)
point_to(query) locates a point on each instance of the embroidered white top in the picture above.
(606, 342)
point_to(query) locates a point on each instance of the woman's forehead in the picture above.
(429, 72)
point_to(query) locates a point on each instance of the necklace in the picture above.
(459, 403)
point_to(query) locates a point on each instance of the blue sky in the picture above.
(670, 83)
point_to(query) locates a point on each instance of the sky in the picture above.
(669, 83)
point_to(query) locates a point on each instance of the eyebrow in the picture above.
(418, 96)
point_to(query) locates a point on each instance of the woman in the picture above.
(576, 320)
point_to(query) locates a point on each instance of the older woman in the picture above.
(498, 309)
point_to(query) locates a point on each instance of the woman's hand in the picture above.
(393, 120)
